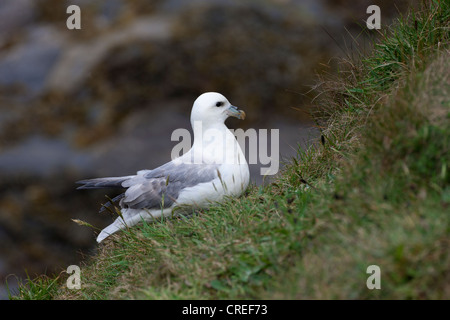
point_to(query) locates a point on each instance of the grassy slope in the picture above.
(374, 192)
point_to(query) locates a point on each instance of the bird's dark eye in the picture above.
(219, 104)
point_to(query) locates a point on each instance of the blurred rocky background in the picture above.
(105, 99)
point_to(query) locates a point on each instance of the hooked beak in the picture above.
(233, 111)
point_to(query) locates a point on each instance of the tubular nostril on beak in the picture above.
(233, 111)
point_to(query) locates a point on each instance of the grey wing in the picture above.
(161, 187)
(110, 182)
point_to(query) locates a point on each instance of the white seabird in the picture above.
(213, 168)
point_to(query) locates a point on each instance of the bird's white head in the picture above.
(212, 108)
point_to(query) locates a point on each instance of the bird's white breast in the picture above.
(233, 174)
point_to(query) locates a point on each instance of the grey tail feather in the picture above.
(111, 182)
(111, 202)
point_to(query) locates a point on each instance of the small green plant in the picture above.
(39, 288)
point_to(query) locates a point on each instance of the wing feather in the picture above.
(161, 187)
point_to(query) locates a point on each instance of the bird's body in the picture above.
(214, 167)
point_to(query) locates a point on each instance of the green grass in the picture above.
(38, 288)
(375, 191)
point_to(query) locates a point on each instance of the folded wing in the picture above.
(156, 188)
